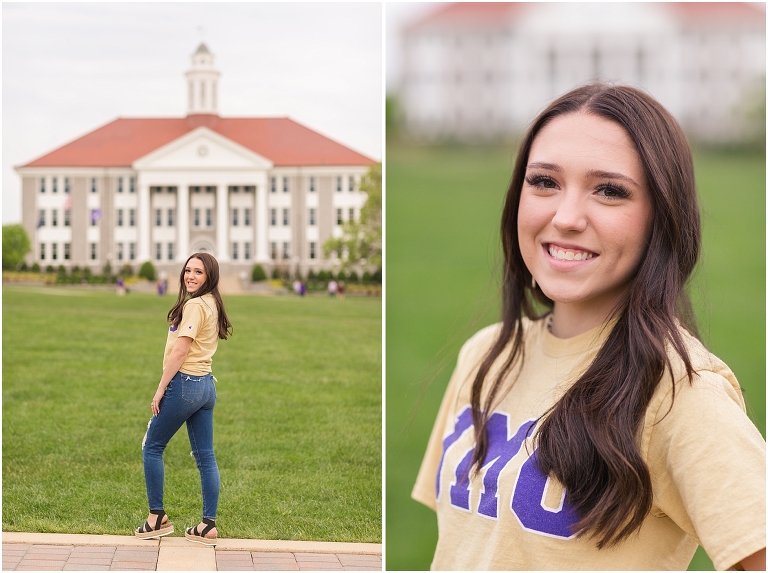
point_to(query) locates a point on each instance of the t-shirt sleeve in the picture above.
(192, 319)
(707, 461)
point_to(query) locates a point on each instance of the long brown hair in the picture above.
(588, 439)
(211, 285)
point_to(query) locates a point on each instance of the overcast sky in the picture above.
(69, 68)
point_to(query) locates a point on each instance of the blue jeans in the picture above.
(187, 399)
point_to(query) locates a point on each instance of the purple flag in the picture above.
(95, 215)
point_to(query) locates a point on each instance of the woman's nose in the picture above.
(570, 216)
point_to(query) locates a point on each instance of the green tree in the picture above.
(16, 245)
(258, 274)
(360, 242)
(147, 271)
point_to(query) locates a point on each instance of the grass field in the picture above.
(443, 210)
(297, 422)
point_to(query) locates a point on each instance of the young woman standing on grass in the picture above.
(599, 434)
(187, 393)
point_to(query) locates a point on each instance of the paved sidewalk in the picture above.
(71, 552)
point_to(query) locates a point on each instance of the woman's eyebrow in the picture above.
(610, 175)
(543, 165)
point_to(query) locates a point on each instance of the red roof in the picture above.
(280, 139)
(467, 14)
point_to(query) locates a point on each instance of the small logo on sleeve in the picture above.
(174, 328)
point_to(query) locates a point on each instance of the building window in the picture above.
(66, 251)
(339, 216)
(42, 185)
(132, 185)
(132, 218)
(285, 217)
(234, 189)
(42, 251)
(247, 217)
(312, 217)
(158, 217)
(351, 183)
(312, 250)
(158, 251)
(195, 189)
(170, 217)
(54, 217)
(132, 251)
(210, 189)
(234, 217)
(273, 217)
(119, 217)
(234, 251)
(170, 251)
(208, 217)
(311, 184)
(273, 185)
(54, 253)
(41, 219)
(273, 251)
(119, 251)
(247, 251)
(66, 217)
(93, 251)
(54, 185)
(338, 184)
(351, 214)
(285, 185)
(286, 250)
(66, 185)
(197, 217)
(93, 185)
(249, 189)
(119, 184)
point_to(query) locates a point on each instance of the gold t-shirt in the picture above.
(200, 322)
(706, 459)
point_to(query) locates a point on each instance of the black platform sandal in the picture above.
(193, 535)
(147, 532)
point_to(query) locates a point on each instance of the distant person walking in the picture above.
(332, 287)
(120, 286)
(187, 393)
(340, 290)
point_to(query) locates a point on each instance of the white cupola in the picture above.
(202, 83)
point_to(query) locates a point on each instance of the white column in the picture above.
(260, 219)
(222, 222)
(182, 226)
(144, 228)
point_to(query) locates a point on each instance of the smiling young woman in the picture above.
(600, 433)
(187, 394)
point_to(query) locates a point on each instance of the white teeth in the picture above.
(562, 255)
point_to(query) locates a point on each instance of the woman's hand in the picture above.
(156, 401)
(175, 360)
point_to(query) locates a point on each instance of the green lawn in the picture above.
(443, 210)
(297, 423)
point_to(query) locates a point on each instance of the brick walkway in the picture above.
(173, 553)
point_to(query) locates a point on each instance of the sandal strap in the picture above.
(209, 524)
(159, 521)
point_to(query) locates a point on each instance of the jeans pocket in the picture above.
(192, 388)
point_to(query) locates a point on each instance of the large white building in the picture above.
(487, 69)
(247, 190)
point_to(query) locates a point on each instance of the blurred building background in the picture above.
(484, 70)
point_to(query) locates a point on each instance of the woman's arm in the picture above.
(755, 562)
(176, 358)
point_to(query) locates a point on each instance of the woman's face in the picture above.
(585, 211)
(194, 275)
